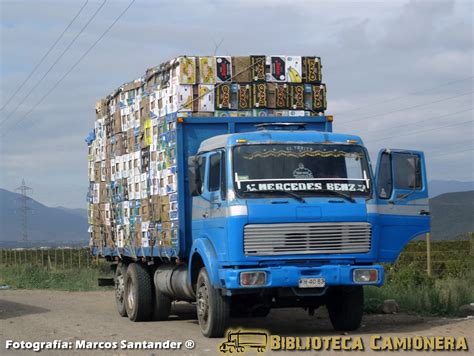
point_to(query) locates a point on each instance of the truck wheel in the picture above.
(212, 308)
(345, 306)
(119, 282)
(138, 293)
(161, 306)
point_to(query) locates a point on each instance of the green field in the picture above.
(450, 285)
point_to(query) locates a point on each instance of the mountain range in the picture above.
(47, 226)
(451, 205)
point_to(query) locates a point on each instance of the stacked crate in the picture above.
(133, 198)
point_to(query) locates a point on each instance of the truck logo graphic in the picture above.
(242, 341)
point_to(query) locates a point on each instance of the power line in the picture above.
(421, 121)
(76, 63)
(421, 131)
(404, 96)
(44, 56)
(408, 108)
(451, 152)
(56, 61)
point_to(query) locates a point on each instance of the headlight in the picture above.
(365, 275)
(253, 278)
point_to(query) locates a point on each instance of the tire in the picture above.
(119, 285)
(346, 306)
(213, 309)
(138, 293)
(161, 306)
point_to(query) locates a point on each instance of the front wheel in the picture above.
(346, 306)
(213, 309)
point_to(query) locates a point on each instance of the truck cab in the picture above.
(296, 218)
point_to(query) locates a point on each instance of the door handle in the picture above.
(205, 215)
(424, 212)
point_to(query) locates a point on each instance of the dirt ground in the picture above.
(43, 315)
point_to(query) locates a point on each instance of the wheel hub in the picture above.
(119, 288)
(131, 295)
(203, 303)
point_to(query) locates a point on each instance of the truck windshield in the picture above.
(305, 169)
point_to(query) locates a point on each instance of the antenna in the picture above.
(23, 189)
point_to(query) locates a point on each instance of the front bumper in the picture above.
(288, 276)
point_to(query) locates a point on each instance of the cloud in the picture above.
(371, 51)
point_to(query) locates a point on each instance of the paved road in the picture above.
(39, 315)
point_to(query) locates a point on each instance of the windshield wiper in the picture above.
(335, 192)
(284, 192)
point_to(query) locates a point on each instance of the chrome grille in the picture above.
(307, 238)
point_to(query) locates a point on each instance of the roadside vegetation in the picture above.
(450, 285)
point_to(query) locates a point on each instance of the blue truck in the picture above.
(274, 212)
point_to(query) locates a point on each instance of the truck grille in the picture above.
(307, 238)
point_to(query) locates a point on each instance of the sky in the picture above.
(398, 73)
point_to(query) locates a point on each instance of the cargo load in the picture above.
(133, 195)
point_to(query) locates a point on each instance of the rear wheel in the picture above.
(138, 293)
(345, 306)
(212, 308)
(119, 282)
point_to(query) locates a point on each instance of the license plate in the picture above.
(311, 283)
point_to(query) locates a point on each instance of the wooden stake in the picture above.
(428, 254)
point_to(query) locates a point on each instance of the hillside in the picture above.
(46, 226)
(452, 215)
(438, 187)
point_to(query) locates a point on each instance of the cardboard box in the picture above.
(241, 68)
(294, 72)
(258, 68)
(223, 96)
(187, 70)
(223, 69)
(207, 70)
(275, 68)
(206, 98)
(311, 69)
(259, 95)
(244, 97)
(296, 94)
(319, 98)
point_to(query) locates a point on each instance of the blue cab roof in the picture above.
(274, 136)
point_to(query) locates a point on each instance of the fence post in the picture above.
(428, 254)
(62, 250)
(55, 258)
(79, 258)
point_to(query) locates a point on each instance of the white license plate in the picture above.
(311, 283)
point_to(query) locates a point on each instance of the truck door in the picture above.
(209, 206)
(402, 200)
